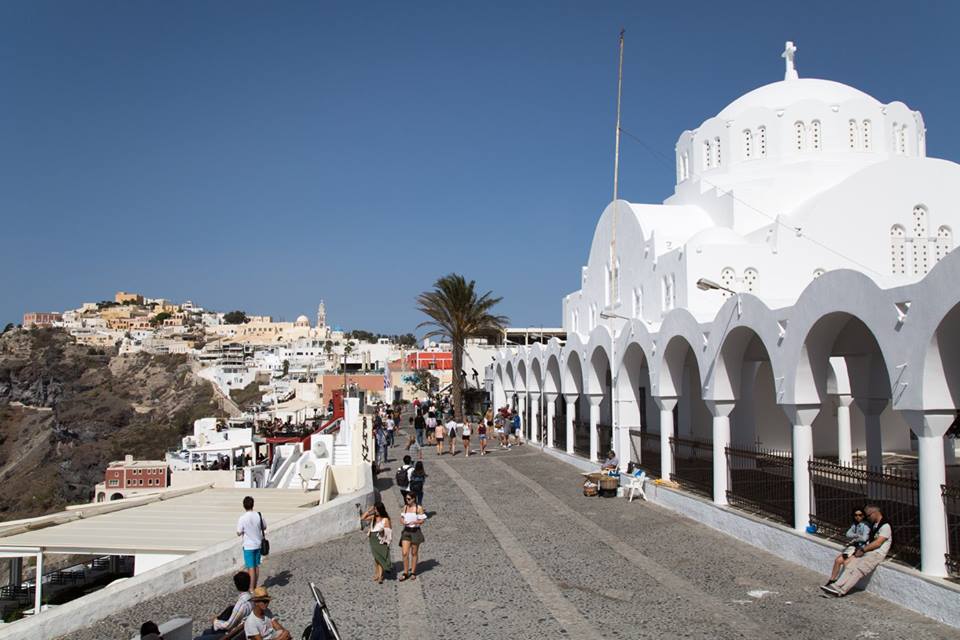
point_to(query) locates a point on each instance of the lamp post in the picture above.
(614, 378)
(709, 285)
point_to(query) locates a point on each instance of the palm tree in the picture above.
(456, 312)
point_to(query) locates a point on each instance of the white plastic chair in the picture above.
(636, 484)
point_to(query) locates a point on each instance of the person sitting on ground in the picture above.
(261, 623)
(866, 560)
(229, 624)
(857, 536)
(612, 462)
(150, 631)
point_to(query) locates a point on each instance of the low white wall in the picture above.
(932, 597)
(328, 521)
(224, 479)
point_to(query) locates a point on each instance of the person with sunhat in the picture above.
(261, 624)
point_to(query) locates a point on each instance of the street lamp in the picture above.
(707, 285)
(614, 378)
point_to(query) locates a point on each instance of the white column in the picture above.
(595, 400)
(802, 417)
(721, 440)
(571, 399)
(929, 428)
(666, 432)
(534, 415)
(872, 408)
(523, 415)
(551, 400)
(38, 595)
(844, 439)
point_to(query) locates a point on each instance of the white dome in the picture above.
(778, 95)
(303, 320)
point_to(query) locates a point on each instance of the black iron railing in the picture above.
(761, 482)
(604, 439)
(693, 465)
(840, 489)
(951, 501)
(649, 451)
(581, 438)
(560, 430)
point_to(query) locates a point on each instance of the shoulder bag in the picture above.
(264, 544)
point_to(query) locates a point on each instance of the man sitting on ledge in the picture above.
(229, 624)
(867, 559)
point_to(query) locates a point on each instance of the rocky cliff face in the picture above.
(66, 410)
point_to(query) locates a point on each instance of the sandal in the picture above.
(403, 577)
(413, 576)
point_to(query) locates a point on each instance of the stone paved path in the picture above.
(513, 550)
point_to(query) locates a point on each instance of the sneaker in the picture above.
(830, 590)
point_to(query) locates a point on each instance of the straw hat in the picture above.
(260, 595)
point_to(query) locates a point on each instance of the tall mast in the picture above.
(616, 175)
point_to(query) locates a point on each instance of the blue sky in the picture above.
(265, 155)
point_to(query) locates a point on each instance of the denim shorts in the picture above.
(251, 558)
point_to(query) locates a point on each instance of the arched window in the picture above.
(815, 135)
(750, 276)
(852, 134)
(685, 165)
(679, 171)
(727, 278)
(762, 141)
(867, 135)
(747, 144)
(898, 250)
(716, 151)
(800, 133)
(944, 241)
(921, 263)
(707, 155)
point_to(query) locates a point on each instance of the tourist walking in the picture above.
(452, 427)
(865, 561)
(260, 624)
(413, 517)
(417, 479)
(431, 422)
(380, 535)
(419, 426)
(517, 427)
(391, 427)
(466, 436)
(402, 477)
(438, 433)
(380, 440)
(482, 435)
(250, 527)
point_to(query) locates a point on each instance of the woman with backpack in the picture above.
(413, 517)
(417, 478)
(380, 535)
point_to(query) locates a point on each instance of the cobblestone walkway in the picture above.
(513, 550)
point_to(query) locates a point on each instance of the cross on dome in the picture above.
(789, 51)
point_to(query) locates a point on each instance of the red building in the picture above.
(439, 360)
(40, 319)
(137, 474)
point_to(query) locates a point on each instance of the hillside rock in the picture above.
(66, 410)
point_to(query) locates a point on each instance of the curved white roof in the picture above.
(781, 94)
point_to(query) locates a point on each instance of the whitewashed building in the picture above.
(826, 321)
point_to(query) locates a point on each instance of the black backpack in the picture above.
(401, 477)
(416, 483)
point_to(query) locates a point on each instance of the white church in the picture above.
(782, 335)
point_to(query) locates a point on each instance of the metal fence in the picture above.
(693, 465)
(649, 452)
(951, 501)
(761, 482)
(604, 439)
(839, 489)
(581, 438)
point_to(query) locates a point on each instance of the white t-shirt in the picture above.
(452, 427)
(431, 423)
(390, 424)
(887, 532)
(255, 626)
(249, 527)
(466, 429)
